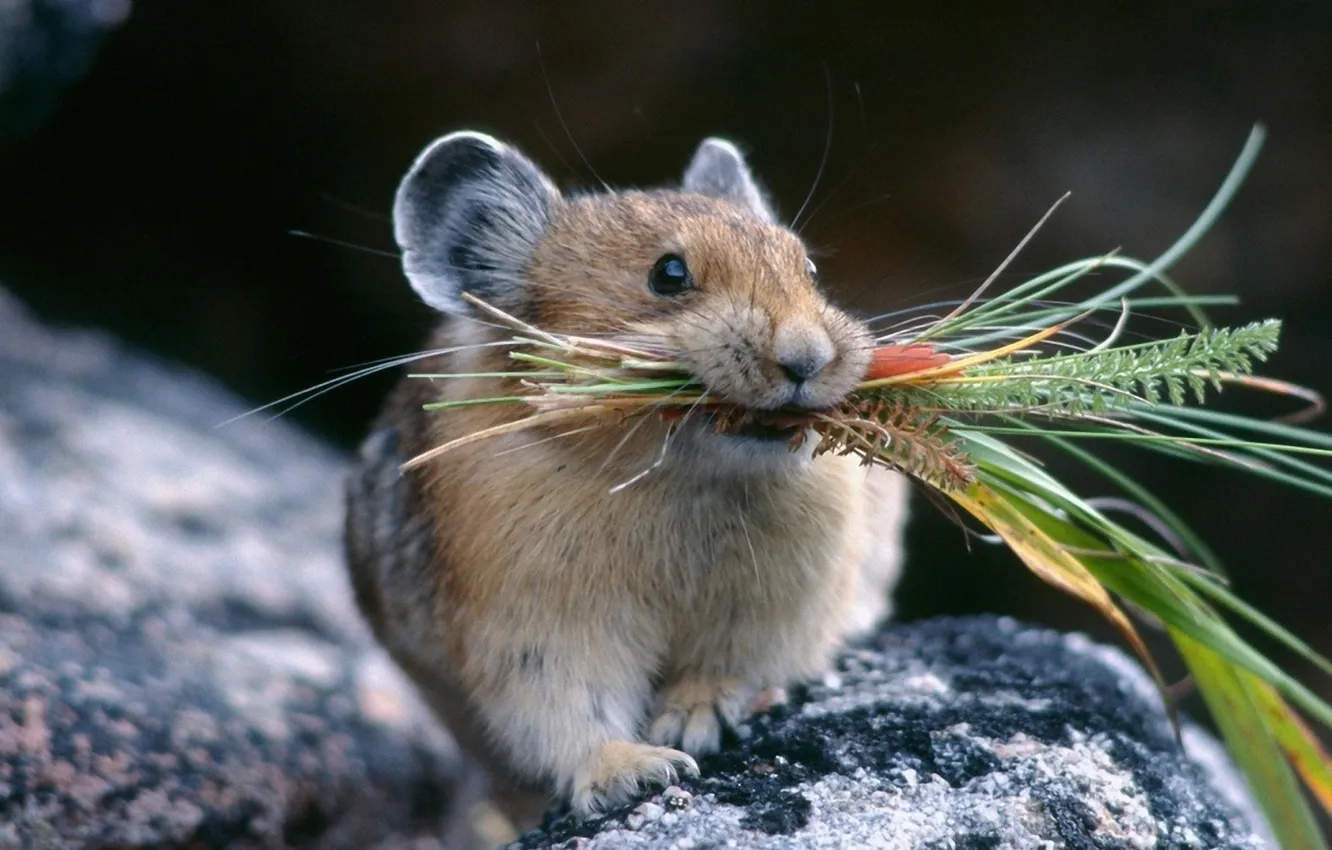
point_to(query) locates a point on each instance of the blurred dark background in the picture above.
(155, 157)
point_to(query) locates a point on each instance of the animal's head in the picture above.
(703, 272)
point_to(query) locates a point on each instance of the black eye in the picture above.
(812, 269)
(670, 276)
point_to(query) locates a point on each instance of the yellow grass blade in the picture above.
(1049, 560)
(954, 366)
(1297, 740)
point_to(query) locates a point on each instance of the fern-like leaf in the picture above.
(1111, 379)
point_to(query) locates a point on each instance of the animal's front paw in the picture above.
(693, 712)
(621, 770)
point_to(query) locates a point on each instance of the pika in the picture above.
(582, 638)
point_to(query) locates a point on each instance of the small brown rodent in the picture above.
(578, 637)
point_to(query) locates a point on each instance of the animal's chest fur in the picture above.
(737, 545)
(550, 543)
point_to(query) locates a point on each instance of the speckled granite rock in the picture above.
(181, 667)
(180, 661)
(969, 734)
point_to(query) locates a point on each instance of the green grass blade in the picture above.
(1154, 586)
(1224, 597)
(1306, 480)
(1222, 419)
(644, 386)
(1057, 279)
(1200, 227)
(473, 402)
(1190, 538)
(1228, 694)
(454, 375)
(1032, 320)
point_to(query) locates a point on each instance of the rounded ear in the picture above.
(719, 170)
(467, 217)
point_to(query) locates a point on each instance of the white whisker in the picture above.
(661, 458)
(311, 393)
(744, 526)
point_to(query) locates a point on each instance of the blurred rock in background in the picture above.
(156, 200)
(46, 46)
(181, 662)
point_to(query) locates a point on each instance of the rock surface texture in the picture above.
(181, 667)
(180, 661)
(966, 734)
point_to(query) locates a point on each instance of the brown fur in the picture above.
(554, 623)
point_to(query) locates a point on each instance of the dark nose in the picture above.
(799, 369)
(801, 349)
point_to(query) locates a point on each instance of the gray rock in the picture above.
(181, 666)
(974, 734)
(180, 661)
(45, 46)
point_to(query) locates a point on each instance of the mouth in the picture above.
(760, 426)
(765, 433)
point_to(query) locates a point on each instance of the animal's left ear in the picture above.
(719, 170)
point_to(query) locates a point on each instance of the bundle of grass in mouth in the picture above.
(942, 395)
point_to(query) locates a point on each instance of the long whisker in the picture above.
(644, 419)
(823, 161)
(661, 459)
(1012, 255)
(329, 198)
(550, 90)
(341, 243)
(311, 393)
(562, 435)
(744, 527)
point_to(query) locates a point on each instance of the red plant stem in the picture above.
(889, 361)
